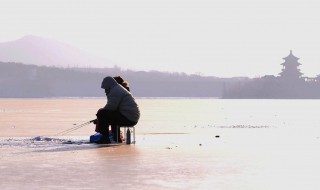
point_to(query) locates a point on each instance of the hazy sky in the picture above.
(213, 37)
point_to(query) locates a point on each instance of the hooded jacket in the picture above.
(119, 99)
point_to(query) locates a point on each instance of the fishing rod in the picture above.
(75, 128)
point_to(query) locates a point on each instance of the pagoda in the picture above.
(290, 70)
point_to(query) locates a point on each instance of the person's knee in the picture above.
(107, 115)
(101, 112)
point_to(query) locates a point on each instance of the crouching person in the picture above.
(121, 110)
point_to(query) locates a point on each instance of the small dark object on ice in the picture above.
(217, 136)
(200, 144)
(67, 142)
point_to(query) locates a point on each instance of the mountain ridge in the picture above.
(40, 51)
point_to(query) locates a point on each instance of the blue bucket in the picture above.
(96, 137)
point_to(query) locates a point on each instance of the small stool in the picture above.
(132, 133)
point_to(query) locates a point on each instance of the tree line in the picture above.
(19, 80)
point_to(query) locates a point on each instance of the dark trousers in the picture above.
(113, 118)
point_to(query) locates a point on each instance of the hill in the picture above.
(46, 52)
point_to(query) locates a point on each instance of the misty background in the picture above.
(163, 48)
(49, 73)
(222, 38)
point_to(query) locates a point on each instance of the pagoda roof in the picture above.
(291, 57)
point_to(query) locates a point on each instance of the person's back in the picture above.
(129, 108)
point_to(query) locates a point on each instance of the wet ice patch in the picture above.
(41, 138)
(42, 142)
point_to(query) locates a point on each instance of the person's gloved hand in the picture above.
(94, 121)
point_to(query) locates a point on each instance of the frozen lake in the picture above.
(181, 144)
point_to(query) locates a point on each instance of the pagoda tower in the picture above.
(290, 70)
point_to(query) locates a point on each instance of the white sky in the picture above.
(215, 37)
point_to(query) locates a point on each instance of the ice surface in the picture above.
(229, 144)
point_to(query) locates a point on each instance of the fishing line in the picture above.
(74, 128)
(71, 129)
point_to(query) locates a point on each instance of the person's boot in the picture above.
(116, 133)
